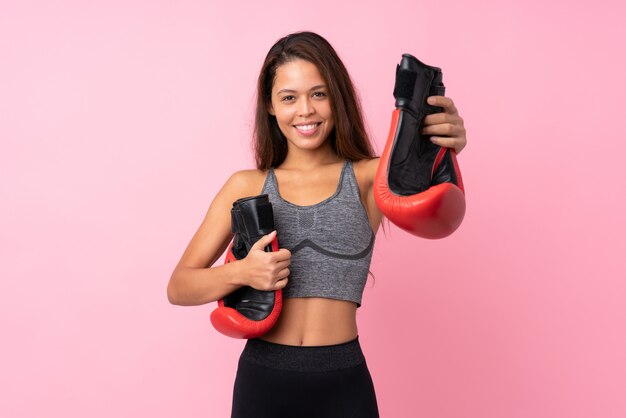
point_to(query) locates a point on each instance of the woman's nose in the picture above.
(306, 107)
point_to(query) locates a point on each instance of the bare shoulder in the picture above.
(365, 171)
(244, 183)
(214, 233)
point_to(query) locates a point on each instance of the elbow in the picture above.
(184, 292)
(173, 296)
(180, 296)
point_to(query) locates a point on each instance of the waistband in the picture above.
(321, 358)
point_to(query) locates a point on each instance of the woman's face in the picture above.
(301, 104)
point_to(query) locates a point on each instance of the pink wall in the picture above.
(120, 120)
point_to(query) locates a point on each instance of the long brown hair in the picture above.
(349, 138)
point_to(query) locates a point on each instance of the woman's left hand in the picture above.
(447, 126)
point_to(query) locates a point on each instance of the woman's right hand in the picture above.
(266, 270)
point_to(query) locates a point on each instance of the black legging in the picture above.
(275, 380)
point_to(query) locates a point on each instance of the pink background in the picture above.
(120, 120)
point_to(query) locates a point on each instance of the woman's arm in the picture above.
(195, 282)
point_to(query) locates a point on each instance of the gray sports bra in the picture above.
(331, 242)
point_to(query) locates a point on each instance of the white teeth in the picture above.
(307, 127)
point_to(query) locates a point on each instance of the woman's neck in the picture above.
(306, 160)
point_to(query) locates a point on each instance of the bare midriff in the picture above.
(314, 321)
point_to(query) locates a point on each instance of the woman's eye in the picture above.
(319, 94)
(287, 98)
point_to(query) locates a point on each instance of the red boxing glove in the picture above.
(418, 184)
(248, 312)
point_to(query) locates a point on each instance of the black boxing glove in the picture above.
(248, 312)
(418, 185)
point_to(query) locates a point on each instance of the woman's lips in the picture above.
(308, 129)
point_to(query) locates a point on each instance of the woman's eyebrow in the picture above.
(317, 87)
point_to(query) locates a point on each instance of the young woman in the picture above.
(315, 161)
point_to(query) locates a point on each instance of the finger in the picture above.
(282, 265)
(436, 118)
(264, 241)
(444, 129)
(284, 273)
(446, 142)
(281, 283)
(282, 254)
(443, 101)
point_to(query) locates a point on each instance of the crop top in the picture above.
(331, 242)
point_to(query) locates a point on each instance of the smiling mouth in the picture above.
(307, 128)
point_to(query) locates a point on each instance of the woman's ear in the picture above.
(270, 109)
